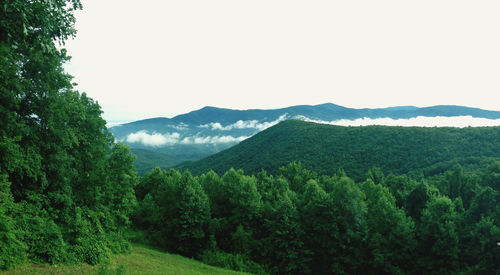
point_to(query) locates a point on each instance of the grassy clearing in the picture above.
(142, 260)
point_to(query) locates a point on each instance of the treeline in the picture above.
(66, 189)
(300, 222)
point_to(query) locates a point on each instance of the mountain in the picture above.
(327, 148)
(209, 130)
(146, 160)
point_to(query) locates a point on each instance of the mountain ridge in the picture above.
(327, 148)
(391, 112)
(211, 129)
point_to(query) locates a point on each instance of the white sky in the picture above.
(142, 59)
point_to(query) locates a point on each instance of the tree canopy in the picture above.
(302, 222)
(68, 185)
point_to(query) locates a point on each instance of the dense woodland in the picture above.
(146, 160)
(323, 148)
(302, 222)
(69, 193)
(66, 189)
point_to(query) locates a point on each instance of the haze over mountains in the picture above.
(210, 130)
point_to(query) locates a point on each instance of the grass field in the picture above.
(142, 260)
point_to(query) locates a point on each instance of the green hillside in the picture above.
(147, 160)
(142, 260)
(326, 148)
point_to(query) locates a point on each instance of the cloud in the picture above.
(153, 139)
(156, 139)
(212, 139)
(420, 121)
(181, 126)
(244, 124)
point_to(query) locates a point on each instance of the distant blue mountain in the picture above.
(209, 130)
(328, 112)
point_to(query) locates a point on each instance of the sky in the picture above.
(143, 59)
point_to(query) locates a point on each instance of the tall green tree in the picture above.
(55, 150)
(437, 236)
(147, 193)
(484, 204)
(417, 200)
(492, 178)
(400, 187)
(333, 224)
(118, 195)
(183, 216)
(390, 235)
(31, 82)
(238, 211)
(281, 246)
(483, 250)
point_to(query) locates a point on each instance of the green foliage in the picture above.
(282, 246)
(438, 237)
(66, 188)
(389, 240)
(485, 255)
(90, 242)
(194, 213)
(492, 177)
(483, 204)
(118, 194)
(417, 200)
(147, 160)
(299, 222)
(177, 212)
(244, 200)
(401, 187)
(12, 250)
(42, 236)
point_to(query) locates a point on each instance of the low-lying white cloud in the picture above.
(116, 123)
(212, 139)
(420, 121)
(244, 124)
(154, 139)
(181, 126)
(157, 139)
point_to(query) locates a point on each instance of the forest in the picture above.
(66, 188)
(69, 192)
(323, 148)
(302, 222)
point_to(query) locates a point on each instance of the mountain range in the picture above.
(209, 130)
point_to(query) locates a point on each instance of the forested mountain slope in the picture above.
(327, 148)
(146, 160)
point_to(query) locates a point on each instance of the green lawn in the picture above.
(142, 260)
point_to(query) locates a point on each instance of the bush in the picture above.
(91, 243)
(12, 250)
(44, 239)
